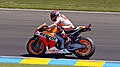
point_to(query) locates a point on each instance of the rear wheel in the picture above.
(35, 47)
(88, 51)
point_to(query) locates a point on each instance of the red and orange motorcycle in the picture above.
(44, 42)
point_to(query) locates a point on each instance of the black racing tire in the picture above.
(88, 51)
(33, 50)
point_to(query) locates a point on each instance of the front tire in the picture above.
(36, 47)
(88, 51)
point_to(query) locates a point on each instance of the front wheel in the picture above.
(35, 47)
(88, 51)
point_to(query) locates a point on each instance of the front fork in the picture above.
(37, 42)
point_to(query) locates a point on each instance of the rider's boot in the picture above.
(63, 50)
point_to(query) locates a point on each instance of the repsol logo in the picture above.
(50, 37)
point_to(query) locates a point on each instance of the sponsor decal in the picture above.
(45, 35)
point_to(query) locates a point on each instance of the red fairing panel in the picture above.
(50, 42)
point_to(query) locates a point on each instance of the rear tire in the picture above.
(36, 47)
(88, 51)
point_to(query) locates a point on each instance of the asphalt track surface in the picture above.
(16, 27)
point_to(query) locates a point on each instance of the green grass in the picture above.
(27, 65)
(86, 5)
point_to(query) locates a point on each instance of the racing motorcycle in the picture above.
(44, 42)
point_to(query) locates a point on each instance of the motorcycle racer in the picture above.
(45, 41)
(60, 20)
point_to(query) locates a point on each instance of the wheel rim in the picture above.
(35, 48)
(87, 49)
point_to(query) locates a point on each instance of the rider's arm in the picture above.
(52, 25)
(55, 23)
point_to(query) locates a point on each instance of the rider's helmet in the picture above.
(54, 14)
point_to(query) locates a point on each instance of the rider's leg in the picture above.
(62, 41)
(62, 48)
(67, 39)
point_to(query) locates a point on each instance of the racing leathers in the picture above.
(64, 23)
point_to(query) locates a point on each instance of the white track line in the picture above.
(88, 12)
(54, 58)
